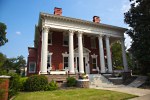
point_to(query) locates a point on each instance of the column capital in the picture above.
(100, 35)
(107, 36)
(45, 29)
(71, 32)
(79, 33)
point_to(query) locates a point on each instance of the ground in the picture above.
(74, 94)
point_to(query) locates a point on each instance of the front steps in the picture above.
(114, 80)
(98, 80)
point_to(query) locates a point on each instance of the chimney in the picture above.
(57, 11)
(96, 19)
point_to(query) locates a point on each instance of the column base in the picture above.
(72, 73)
(103, 72)
(43, 73)
(82, 72)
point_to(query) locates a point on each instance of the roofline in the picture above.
(42, 14)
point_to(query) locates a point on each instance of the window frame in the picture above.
(94, 57)
(34, 67)
(50, 59)
(65, 37)
(65, 55)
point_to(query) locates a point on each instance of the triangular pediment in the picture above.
(85, 50)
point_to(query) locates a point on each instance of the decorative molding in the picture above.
(94, 56)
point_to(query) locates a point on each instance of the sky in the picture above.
(21, 16)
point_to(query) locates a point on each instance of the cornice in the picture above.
(46, 15)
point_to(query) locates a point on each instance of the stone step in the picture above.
(98, 80)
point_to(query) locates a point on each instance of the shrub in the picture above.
(51, 86)
(71, 81)
(22, 83)
(14, 84)
(36, 83)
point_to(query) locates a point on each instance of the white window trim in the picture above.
(34, 68)
(94, 56)
(65, 55)
(50, 54)
(51, 37)
(65, 34)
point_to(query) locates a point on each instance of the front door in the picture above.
(85, 63)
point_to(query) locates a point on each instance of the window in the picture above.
(65, 40)
(32, 67)
(50, 38)
(65, 62)
(49, 59)
(94, 64)
(93, 42)
(94, 61)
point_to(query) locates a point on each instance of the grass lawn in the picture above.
(74, 94)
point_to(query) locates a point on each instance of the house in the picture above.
(69, 45)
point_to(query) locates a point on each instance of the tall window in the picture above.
(65, 40)
(50, 38)
(32, 67)
(65, 62)
(49, 59)
(94, 61)
(93, 42)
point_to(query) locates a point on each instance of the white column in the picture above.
(101, 52)
(124, 56)
(80, 48)
(71, 53)
(41, 53)
(109, 60)
(44, 51)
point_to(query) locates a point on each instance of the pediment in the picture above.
(85, 50)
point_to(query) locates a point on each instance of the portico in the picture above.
(80, 55)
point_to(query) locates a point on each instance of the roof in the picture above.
(43, 15)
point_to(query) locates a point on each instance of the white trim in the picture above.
(65, 55)
(94, 56)
(50, 60)
(34, 67)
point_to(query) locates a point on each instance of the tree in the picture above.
(138, 18)
(117, 54)
(3, 38)
(14, 63)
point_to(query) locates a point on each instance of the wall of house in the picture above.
(32, 57)
(57, 49)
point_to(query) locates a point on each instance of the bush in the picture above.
(14, 84)
(22, 82)
(36, 83)
(51, 86)
(71, 81)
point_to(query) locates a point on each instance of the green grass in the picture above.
(74, 94)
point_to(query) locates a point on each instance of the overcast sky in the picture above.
(20, 16)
